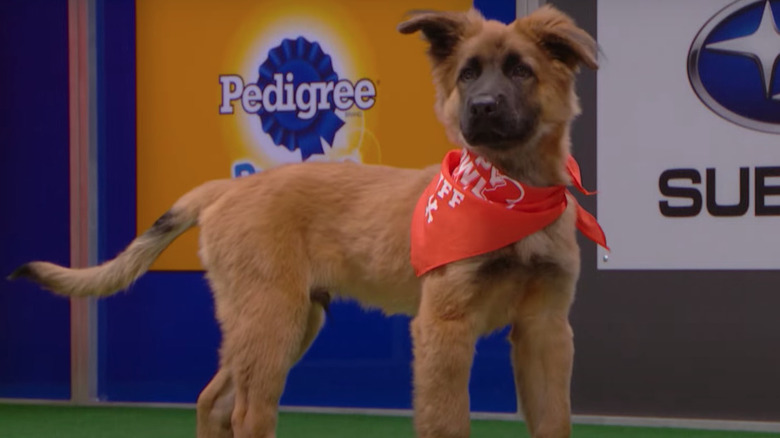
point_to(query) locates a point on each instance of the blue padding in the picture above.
(360, 359)
(34, 223)
(160, 339)
(492, 385)
(501, 10)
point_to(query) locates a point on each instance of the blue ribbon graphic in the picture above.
(308, 63)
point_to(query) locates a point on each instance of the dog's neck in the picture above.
(539, 162)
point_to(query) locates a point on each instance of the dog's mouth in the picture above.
(498, 133)
(481, 133)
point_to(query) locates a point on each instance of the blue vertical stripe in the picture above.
(34, 175)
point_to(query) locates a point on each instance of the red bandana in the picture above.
(471, 208)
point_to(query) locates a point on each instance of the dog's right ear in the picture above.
(442, 30)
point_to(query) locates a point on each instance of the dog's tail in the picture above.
(117, 274)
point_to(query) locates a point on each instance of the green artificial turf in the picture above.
(34, 421)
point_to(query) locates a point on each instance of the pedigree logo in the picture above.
(297, 95)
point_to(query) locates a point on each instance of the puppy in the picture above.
(275, 245)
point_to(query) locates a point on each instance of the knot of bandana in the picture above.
(472, 208)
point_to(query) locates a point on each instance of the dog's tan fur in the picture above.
(269, 240)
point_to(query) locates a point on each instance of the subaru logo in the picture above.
(733, 64)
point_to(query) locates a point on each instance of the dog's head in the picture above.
(507, 91)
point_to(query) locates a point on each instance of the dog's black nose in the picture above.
(484, 106)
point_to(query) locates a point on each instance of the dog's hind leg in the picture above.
(542, 357)
(320, 299)
(261, 345)
(215, 406)
(216, 401)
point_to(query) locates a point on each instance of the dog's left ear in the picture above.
(558, 35)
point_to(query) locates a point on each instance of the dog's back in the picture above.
(345, 226)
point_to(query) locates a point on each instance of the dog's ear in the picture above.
(558, 35)
(442, 30)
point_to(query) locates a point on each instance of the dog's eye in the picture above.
(521, 71)
(468, 74)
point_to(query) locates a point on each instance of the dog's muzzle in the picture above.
(486, 120)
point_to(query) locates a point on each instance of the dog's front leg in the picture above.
(444, 336)
(542, 356)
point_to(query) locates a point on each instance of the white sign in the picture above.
(689, 134)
